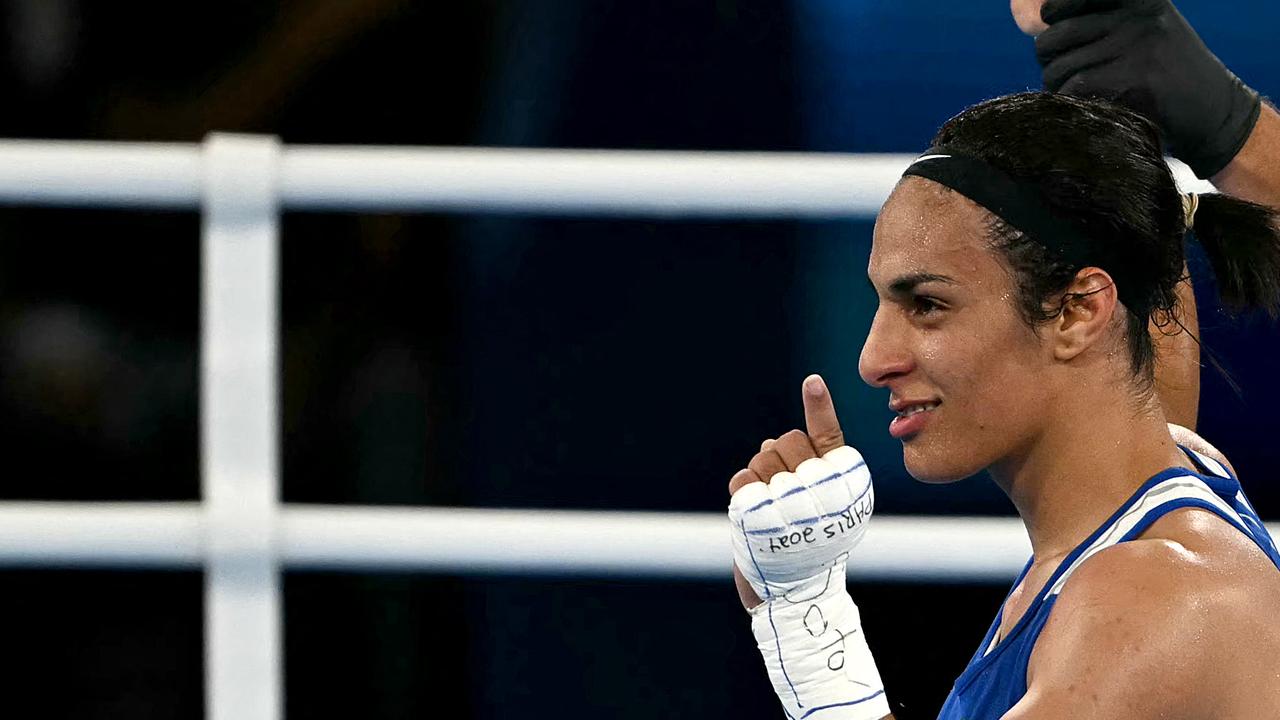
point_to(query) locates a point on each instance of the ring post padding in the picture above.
(239, 461)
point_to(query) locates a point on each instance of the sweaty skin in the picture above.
(1177, 376)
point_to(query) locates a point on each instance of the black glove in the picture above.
(1143, 54)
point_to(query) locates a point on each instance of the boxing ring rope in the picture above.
(471, 541)
(380, 179)
(242, 536)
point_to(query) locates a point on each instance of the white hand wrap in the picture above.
(791, 539)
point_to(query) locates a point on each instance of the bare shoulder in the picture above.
(1189, 438)
(1160, 628)
(1146, 594)
(1125, 638)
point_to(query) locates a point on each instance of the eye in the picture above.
(925, 306)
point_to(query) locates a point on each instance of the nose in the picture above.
(885, 355)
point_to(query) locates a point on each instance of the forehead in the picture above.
(925, 227)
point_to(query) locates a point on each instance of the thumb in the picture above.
(820, 418)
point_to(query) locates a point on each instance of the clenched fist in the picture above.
(796, 512)
(799, 508)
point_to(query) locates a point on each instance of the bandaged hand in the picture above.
(796, 513)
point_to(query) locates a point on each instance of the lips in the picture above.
(913, 416)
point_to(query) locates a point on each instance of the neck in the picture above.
(1072, 477)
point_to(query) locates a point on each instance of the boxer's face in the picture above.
(948, 330)
(1027, 14)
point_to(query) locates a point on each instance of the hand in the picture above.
(799, 507)
(1027, 14)
(1143, 54)
(797, 510)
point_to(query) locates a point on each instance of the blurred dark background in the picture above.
(494, 360)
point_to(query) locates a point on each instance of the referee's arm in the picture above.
(1254, 173)
(1144, 54)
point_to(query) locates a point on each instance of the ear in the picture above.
(1088, 305)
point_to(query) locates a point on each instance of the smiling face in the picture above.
(948, 331)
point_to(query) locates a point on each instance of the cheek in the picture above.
(991, 390)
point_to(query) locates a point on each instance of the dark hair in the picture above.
(1103, 167)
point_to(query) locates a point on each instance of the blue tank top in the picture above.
(996, 678)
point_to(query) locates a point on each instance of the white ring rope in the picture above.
(468, 540)
(579, 182)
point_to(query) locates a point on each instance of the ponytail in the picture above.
(1242, 241)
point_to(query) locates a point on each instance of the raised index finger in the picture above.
(820, 416)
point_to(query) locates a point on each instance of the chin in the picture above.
(935, 467)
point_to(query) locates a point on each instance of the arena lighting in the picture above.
(242, 536)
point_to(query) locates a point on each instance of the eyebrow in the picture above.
(904, 284)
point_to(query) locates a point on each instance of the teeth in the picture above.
(912, 410)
